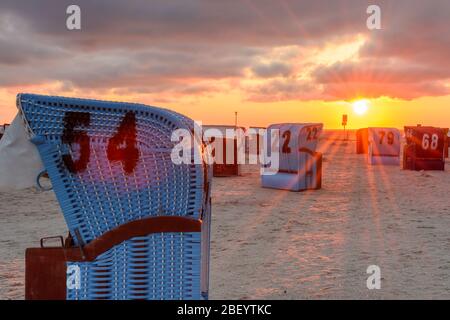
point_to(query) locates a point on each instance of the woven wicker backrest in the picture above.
(110, 162)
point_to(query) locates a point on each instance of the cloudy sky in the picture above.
(272, 61)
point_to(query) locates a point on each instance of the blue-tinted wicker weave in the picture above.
(105, 196)
(155, 267)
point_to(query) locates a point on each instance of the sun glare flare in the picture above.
(360, 107)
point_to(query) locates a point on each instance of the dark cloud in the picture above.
(118, 69)
(16, 43)
(187, 46)
(272, 69)
(285, 89)
(375, 71)
(245, 22)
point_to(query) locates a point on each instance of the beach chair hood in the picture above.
(110, 163)
(111, 169)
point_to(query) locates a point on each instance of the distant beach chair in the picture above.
(225, 150)
(362, 141)
(139, 224)
(424, 149)
(300, 166)
(384, 146)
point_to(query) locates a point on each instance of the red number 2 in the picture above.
(287, 137)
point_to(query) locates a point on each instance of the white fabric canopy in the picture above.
(20, 162)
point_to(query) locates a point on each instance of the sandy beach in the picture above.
(270, 244)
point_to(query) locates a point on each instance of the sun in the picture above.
(360, 106)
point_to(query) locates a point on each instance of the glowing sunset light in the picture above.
(360, 107)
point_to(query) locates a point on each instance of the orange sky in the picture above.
(220, 108)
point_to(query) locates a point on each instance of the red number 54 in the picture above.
(121, 147)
